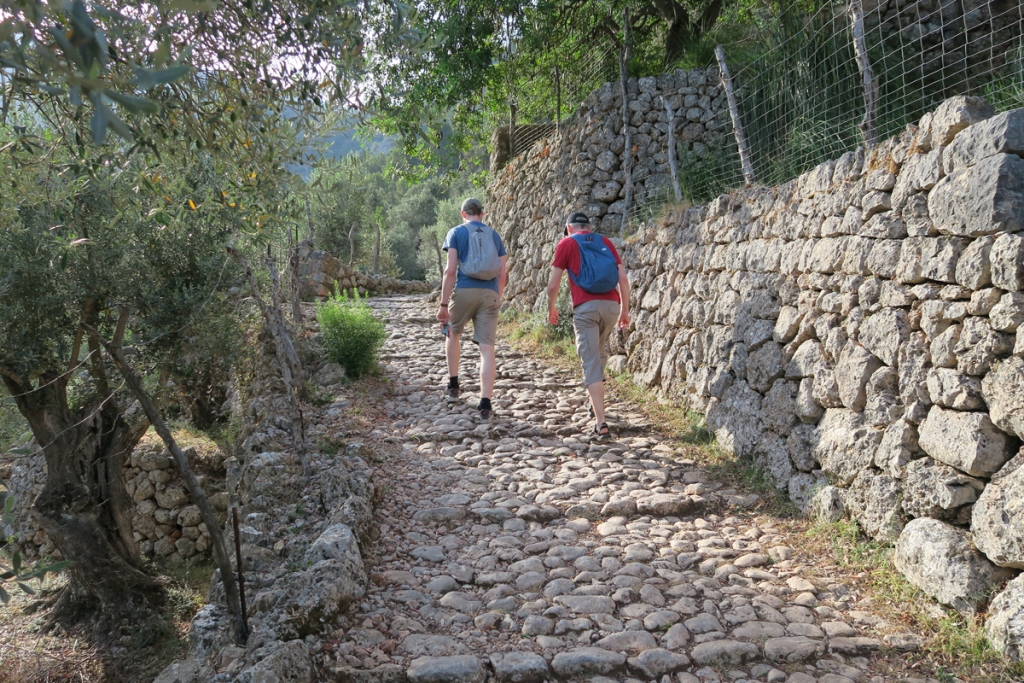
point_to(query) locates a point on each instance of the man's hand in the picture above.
(623, 319)
(553, 316)
(442, 315)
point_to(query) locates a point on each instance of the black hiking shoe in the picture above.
(451, 393)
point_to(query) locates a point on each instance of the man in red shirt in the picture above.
(593, 315)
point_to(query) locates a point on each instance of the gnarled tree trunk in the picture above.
(84, 506)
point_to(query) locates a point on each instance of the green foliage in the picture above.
(17, 573)
(352, 333)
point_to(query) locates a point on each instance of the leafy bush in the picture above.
(353, 335)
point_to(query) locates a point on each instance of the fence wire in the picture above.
(801, 101)
(799, 90)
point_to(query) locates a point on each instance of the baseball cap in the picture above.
(473, 206)
(576, 217)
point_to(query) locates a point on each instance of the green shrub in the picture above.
(352, 334)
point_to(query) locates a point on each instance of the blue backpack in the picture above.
(599, 272)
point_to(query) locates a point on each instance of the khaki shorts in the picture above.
(479, 304)
(594, 322)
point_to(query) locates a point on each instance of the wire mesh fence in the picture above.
(800, 92)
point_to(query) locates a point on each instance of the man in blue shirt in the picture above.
(464, 298)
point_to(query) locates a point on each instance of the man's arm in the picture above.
(448, 283)
(554, 284)
(503, 276)
(624, 296)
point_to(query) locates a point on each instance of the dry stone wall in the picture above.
(858, 332)
(580, 168)
(165, 522)
(321, 274)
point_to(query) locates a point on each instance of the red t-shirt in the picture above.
(567, 257)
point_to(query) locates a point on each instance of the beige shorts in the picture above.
(594, 322)
(479, 304)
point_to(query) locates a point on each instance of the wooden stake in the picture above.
(627, 153)
(734, 114)
(281, 344)
(672, 166)
(220, 552)
(868, 126)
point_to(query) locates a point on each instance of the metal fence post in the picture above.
(734, 114)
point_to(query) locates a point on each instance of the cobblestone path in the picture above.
(519, 550)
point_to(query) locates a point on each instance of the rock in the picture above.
(458, 669)
(441, 514)
(587, 661)
(949, 389)
(792, 649)
(336, 542)
(1005, 624)
(827, 505)
(846, 445)
(997, 520)
(979, 346)
(1007, 262)
(616, 365)
(1002, 134)
(875, 500)
(854, 646)
(724, 653)
(431, 645)
(430, 553)
(587, 604)
(628, 641)
(899, 444)
(518, 667)
(1003, 391)
(538, 513)
(883, 333)
(329, 374)
(939, 559)
(935, 490)
(535, 625)
(735, 419)
(657, 662)
(986, 199)
(854, 369)
(1008, 314)
(665, 505)
(287, 663)
(966, 441)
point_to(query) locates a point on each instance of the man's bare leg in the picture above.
(596, 391)
(453, 353)
(488, 370)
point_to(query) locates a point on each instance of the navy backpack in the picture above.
(599, 272)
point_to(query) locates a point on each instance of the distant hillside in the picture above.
(345, 142)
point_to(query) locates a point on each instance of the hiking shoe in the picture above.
(451, 393)
(485, 413)
(601, 431)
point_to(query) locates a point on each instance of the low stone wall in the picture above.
(321, 275)
(165, 522)
(858, 332)
(580, 169)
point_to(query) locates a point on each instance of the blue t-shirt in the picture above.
(458, 239)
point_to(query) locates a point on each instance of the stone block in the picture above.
(951, 117)
(1002, 134)
(1005, 624)
(931, 489)
(875, 501)
(855, 367)
(1003, 390)
(998, 517)
(898, 447)
(884, 332)
(883, 404)
(966, 441)
(736, 418)
(1008, 314)
(939, 559)
(949, 389)
(846, 445)
(974, 268)
(979, 346)
(985, 199)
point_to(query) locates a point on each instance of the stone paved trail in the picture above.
(519, 550)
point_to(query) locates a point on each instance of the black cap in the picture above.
(578, 217)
